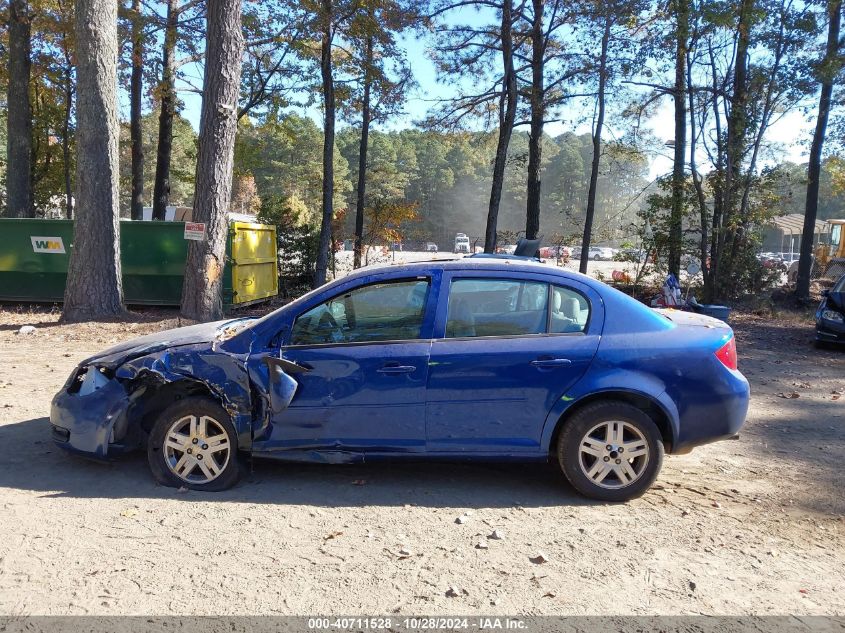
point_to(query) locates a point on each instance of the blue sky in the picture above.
(790, 133)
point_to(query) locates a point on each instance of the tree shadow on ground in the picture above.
(799, 448)
(29, 460)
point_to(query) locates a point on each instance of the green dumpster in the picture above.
(34, 260)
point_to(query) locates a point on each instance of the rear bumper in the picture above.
(718, 416)
(89, 424)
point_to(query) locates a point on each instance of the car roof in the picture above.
(501, 263)
(616, 302)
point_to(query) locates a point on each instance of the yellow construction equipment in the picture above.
(830, 257)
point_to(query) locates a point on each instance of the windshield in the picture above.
(272, 315)
(835, 234)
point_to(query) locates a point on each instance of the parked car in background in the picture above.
(636, 255)
(486, 358)
(772, 261)
(601, 253)
(830, 316)
(430, 247)
(553, 252)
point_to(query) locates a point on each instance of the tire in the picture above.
(582, 449)
(194, 420)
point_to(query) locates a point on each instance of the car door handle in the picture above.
(551, 362)
(396, 369)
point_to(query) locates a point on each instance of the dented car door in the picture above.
(360, 364)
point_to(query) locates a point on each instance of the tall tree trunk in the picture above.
(535, 136)
(94, 289)
(19, 114)
(697, 182)
(68, 88)
(734, 146)
(679, 94)
(507, 117)
(202, 291)
(594, 168)
(167, 94)
(68, 111)
(135, 93)
(828, 71)
(711, 291)
(328, 145)
(362, 154)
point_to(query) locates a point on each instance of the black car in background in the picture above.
(830, 317)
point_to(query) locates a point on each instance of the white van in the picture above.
(461, 243)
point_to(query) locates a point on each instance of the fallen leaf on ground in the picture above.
(332, 535)
(789, 396)
(129, 513)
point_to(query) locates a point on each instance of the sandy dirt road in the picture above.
(753, 526)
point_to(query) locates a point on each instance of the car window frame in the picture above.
(595, 320)
(549, 315)
(425, 328)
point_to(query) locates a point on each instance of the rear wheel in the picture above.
(194, 445)
(610, 451)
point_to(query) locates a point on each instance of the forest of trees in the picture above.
(319, 86)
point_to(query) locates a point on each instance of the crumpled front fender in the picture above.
(248, 388)
(84, 424)
(222, 374)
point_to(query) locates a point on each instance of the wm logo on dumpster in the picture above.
(47, 244)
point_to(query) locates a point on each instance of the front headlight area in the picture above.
(832, 315)
(86, 379)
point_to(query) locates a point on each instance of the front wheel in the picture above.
(194, 445)
(610, 451)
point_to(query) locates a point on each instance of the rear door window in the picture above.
(570, 311)
(496, 307)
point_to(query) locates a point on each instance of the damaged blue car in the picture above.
(478, 358)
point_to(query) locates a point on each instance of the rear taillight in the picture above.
(727, 354)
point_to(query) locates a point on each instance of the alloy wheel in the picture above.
(613, 454)
(197, 449)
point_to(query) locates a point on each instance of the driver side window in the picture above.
(378, 312)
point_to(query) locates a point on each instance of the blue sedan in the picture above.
(478, 358)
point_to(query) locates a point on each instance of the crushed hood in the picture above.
(143, 345)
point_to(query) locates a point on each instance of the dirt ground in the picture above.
(753, 526)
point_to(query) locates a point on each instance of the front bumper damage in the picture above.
(96, 424)
(111, 412)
